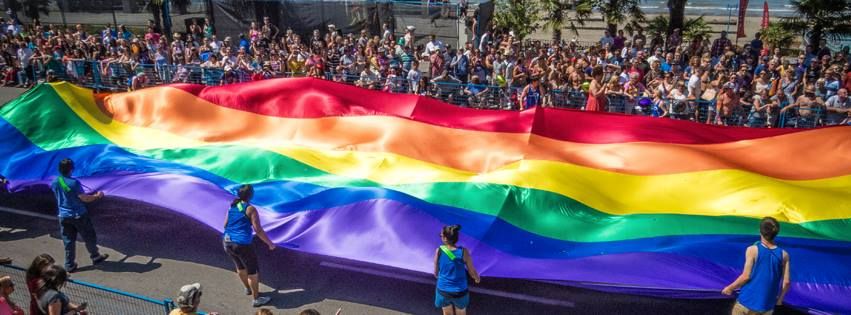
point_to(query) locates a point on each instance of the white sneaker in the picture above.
(260, 301)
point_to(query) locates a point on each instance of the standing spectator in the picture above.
(241, 219)
(461, 64)
(73, 215)
(387, 32)
(719, 45)
(639, 37)
(756, 44)
(437, 63)
(452, 265)
(596, 91)
(532, 95)
(838, 107)
(51, 300)
(765, 278)
(34, 278)
(674, 40)
(694, 90)
(25, 54)
(433, 45)
(619, 41)
(607, 40)
(7, 306)
(831, 82)
(414, 76)
(209, 32)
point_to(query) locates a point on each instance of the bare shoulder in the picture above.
(752, 250)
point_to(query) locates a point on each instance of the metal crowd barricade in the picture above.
(618, 104)
(704, 111)
(802, 118)
(115, 76)
(572, 99)
(100, 299)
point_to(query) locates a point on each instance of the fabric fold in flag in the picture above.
(545, 194)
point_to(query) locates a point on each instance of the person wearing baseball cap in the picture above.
(187, 300)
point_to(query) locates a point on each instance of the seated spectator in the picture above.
(34, 278)
(188, 300)
(7, 306)
(51, 300)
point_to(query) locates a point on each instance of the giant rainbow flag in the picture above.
(632, 204)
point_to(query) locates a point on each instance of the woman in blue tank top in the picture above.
(765, 277)
(451, 265)
(241, 220)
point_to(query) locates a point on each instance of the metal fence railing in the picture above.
(100, 299)
(114, 76)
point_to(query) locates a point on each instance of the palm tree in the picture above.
(676, 14)
(555, 16)
(516, 15)
(615, 12)
(824, 18)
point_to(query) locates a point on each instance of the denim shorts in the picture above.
(441, 301)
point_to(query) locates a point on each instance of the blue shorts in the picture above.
(441, 301)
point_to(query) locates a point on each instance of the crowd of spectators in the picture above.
(709, 80)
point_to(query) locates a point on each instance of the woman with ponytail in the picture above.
(452, 264)
(241, 219)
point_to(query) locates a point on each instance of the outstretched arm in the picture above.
(470, 268)
(787, 279)
(750, 257)
(436, 257)
(90, 198)
(255, 221)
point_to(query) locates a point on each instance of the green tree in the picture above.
(520, 16)
(692, 27)
(822, 18)
(30, 8)
(614, 12)
(555, 16)
(777, 36)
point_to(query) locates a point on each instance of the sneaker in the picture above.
(72, 269)
(260, 301)
(5, 260)
(100, 259)
(247, 291)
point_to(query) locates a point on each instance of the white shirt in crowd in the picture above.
(414, 76)
(24, 55)
(432, 46)
(694, 88)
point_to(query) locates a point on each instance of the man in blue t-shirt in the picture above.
(73, 215)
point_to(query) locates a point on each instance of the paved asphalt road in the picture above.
(154, 251)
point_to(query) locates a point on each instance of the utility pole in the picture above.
(114, 20)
